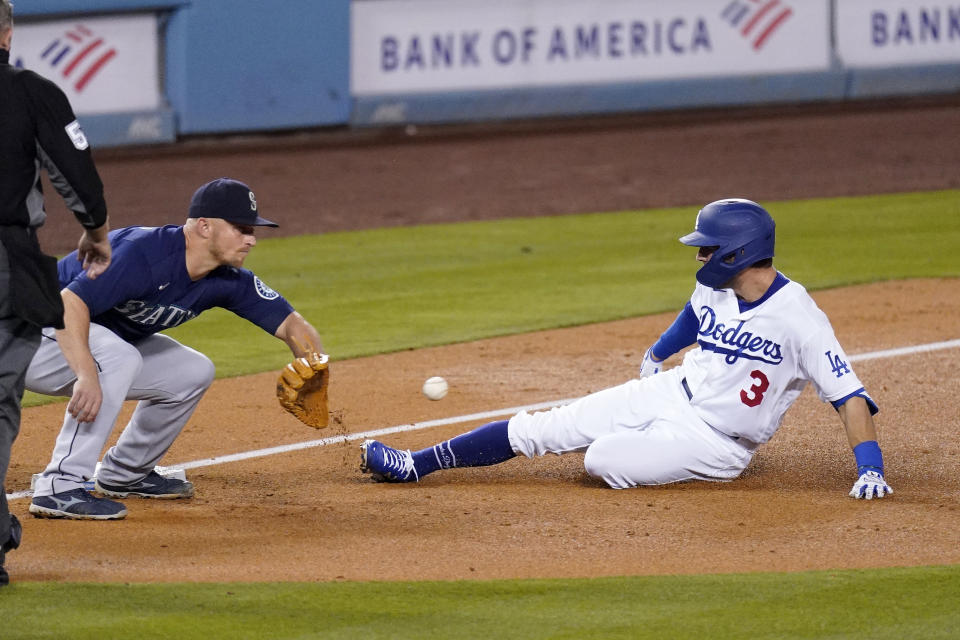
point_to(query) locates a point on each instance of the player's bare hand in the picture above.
(870, 484)
(650, 366)
(94, 253)
(85, 402)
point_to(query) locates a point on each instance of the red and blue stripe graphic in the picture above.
(79, 55)
(757, 20)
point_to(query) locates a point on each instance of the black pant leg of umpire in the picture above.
(19, 341)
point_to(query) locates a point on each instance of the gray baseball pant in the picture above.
(166, 377)
(18, 343)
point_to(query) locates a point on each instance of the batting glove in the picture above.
(870, 484)
(649, 366)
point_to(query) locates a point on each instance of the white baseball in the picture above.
(435, 388)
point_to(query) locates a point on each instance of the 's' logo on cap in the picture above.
(253, 202)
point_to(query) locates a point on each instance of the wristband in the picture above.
(869, 457)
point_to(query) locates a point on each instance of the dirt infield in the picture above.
(310, 515)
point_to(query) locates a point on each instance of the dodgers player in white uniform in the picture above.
(761, 339)
(111, 349)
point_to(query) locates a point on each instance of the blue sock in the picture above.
(481, 447)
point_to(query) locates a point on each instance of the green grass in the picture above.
(915, 603)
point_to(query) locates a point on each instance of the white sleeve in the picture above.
(824, 362)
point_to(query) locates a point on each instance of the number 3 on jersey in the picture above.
(754, 395)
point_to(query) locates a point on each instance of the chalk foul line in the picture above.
(485, 415)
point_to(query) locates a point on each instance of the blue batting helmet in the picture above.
(743, 233)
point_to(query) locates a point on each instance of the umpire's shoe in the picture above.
(386, 464)
(77, 504)
(16, 531)
(153, 486)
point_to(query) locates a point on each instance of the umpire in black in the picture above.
(37, 130)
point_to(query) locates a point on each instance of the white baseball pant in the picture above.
(643, 432)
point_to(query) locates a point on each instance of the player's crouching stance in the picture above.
(111, 349)
(761, 339)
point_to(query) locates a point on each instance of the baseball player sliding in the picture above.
(760, 338)
(111, 351)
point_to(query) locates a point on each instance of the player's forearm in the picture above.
(857, 421)
(681, 334)
(74, 338)
(299, 335)
(862, 435)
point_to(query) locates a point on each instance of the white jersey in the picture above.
(752, 365)
(705, 418)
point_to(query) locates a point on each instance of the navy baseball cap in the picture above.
(228, 199)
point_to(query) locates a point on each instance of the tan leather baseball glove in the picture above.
(302, 389)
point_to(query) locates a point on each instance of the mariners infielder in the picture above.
(760, 339)
(111, 351)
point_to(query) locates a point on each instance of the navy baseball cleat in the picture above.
(153, 486)
(76, 504)
(386, 464)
